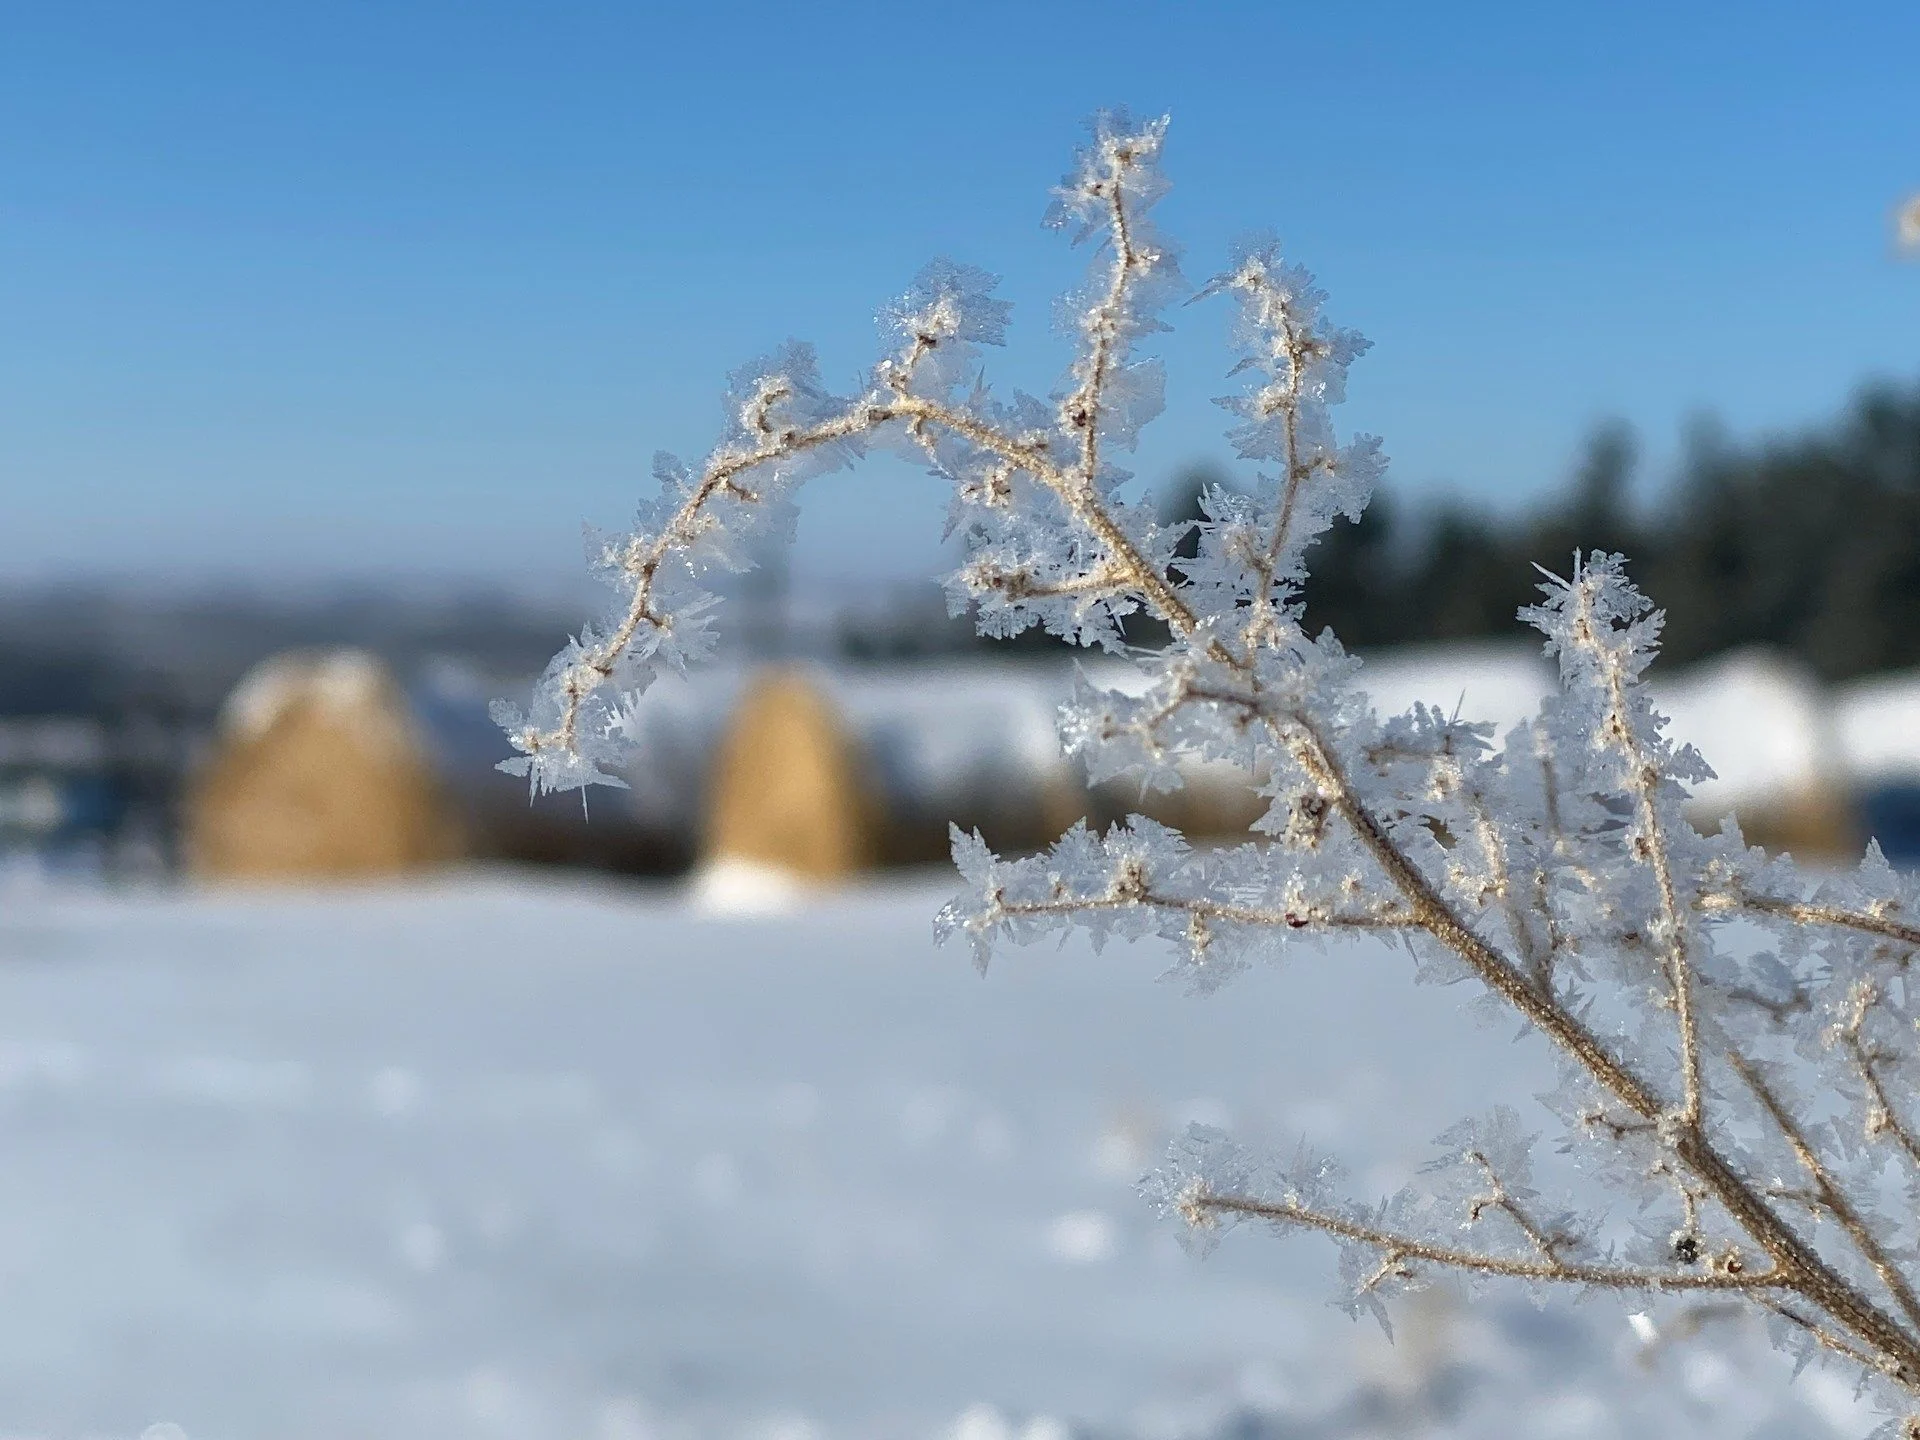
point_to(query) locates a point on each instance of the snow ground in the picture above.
(498, 1158)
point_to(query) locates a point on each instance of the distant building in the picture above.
(1877, 724)
(95, 794)
(1764, 723)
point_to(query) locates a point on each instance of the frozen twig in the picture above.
(1204, 1207)
(1828, 1192)
(1801, 912)
(1883, 1117)
(1554, 866)
(1611, 653)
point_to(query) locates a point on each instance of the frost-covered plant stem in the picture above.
(1557, 870)
(1794, 1267)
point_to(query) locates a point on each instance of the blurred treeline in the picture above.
(1810, 543)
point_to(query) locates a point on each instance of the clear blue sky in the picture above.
(350, 287)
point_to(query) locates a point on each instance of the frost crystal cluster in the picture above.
(1737, 1038)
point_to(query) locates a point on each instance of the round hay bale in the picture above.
(1809, 822)
(319, 772)
(789, 787)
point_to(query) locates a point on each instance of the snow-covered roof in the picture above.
(1759, 719)
(1876, 725)
(939, 728)
(1498, 682)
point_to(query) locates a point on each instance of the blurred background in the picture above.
(343, 1090)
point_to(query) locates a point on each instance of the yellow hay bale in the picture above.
(319, 773)
(789, 786)
(1812, 823)
(1217, 802)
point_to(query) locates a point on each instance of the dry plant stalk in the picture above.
(1737, 1038)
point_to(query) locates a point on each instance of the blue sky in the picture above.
(319, 289)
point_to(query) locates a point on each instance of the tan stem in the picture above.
(1205, 1202)
(1832, 1198)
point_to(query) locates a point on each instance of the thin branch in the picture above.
(1537, 962)
(1827, 1339)
(1801, 912)
(1499, 1198)
(1776, 1010)
(1200, 1205)
(1832, 1198)
(1019, 584)
(1644, 777)
(1079, 499)
(1883, 1117)
(642, 559)
(1083, 407)
(1291, 918)
(1542, 888)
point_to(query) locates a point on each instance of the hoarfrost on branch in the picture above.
(1757, 1106)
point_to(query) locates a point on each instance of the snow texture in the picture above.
(566, 1163)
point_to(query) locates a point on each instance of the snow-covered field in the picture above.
(500, 1158)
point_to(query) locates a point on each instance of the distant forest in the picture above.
(1810, 543)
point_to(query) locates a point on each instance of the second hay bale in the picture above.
(789, 787)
